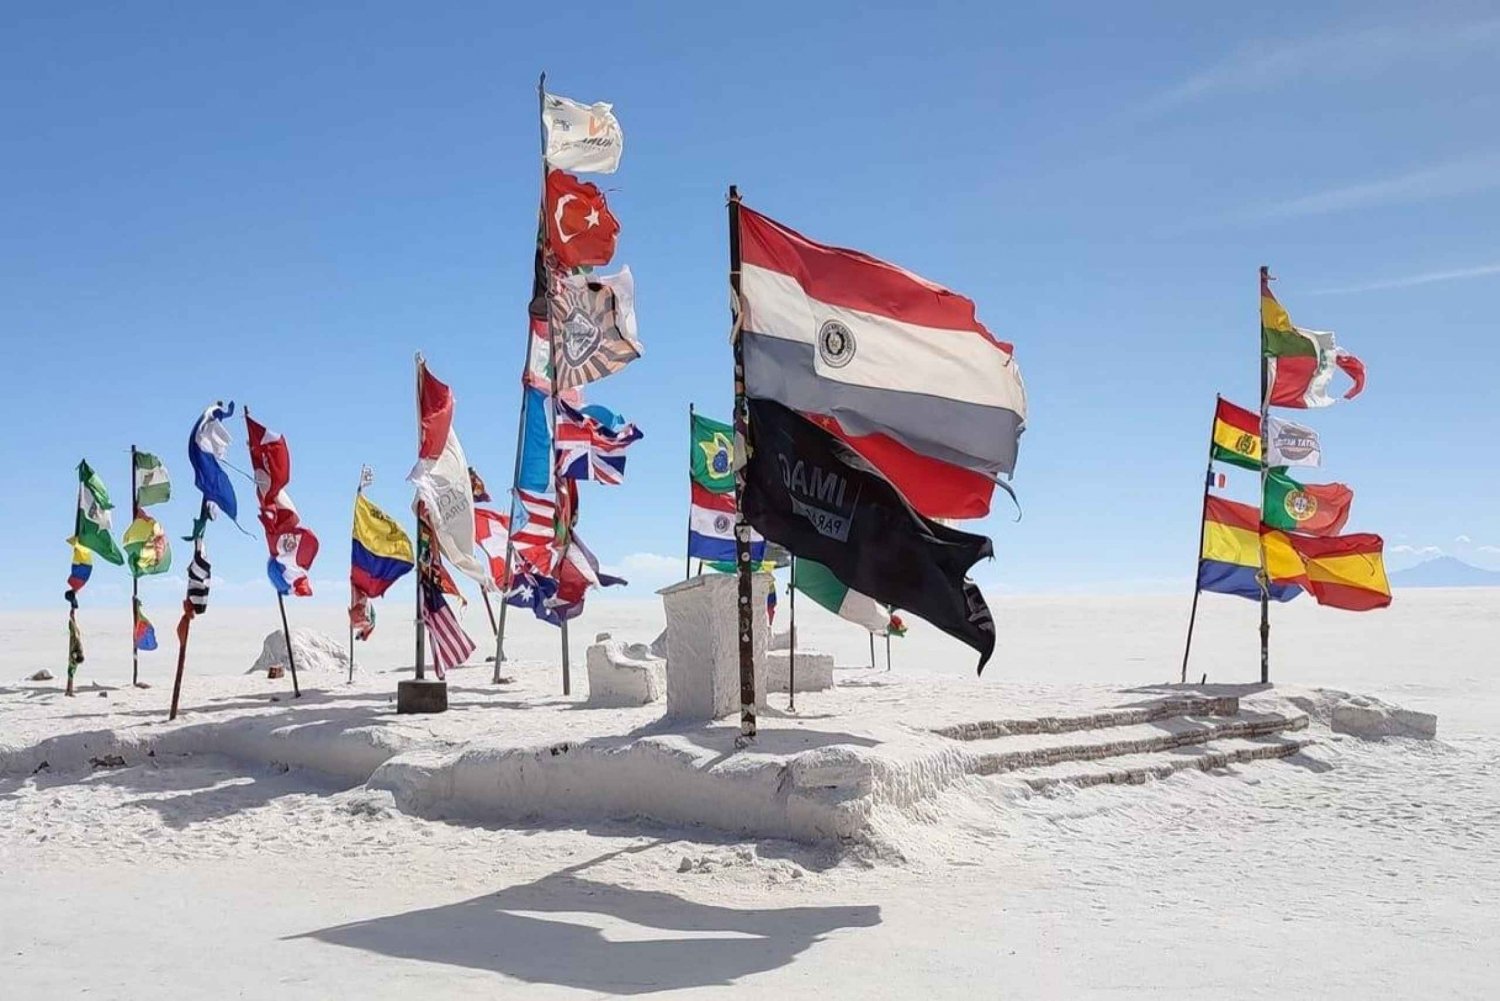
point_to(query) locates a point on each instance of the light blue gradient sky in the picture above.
(279, 204)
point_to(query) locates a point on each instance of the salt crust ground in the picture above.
(1369, 867)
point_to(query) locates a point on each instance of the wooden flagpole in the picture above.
(745, 613)
(1187, 647)
(791, 663)
(135, 587)
(1260, 500)
(185, 624)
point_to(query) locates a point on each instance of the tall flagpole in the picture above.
(185, 624)
(1260, 500)
(286, 632)
(745, 613)
(687, 559)
(73, 605)
(791, 663)
(421, 672)
(135, 587)
(1187, 647)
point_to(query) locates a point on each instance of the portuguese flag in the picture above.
(1236, 435)
(1301, 362)
(1312, 509)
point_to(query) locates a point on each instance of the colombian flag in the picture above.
(1340, 571)
(1231, 554)
(1236, 435)
(381, 551)
(83, 566)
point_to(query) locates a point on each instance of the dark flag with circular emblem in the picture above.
(815, 495)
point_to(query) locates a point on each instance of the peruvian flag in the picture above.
(580, 230)
(445, 494)
(293, 547)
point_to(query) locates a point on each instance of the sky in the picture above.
(280, 204)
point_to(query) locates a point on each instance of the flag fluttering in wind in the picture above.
(1292, 444)
(587, 449)
(898, 366)
(1236, 437)
(1313, 508)
(577, 571)
(146, 548)
(711, 501)
(75, 641)
(819, 583)
(581, 232)
(144, 632)
(1302, 362)
(584, 137)
(535, 518)
(593, 323)
(1230, 558)
(492, 535)
(152, 484)
(199, 574)
(293, 546)
(381, 554)
(1341, 571)
(815, 495)
(208, 446)
(536, 591)
(82, 568)
(441, 478)
(451, 646)
(93, 516)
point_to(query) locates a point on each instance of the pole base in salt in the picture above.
(421, 695)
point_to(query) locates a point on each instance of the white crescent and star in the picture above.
(591, 220)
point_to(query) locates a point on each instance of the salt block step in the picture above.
(1033, 750)
(1123, 716)
(1134, 769)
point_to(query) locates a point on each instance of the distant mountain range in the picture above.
(1445, 571)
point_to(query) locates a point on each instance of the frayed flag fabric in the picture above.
(208, 446)
(1301, 362)
(584, 137)
(588, 450)
(199, 575)
(593, 324)
(577, 571)
(147, 550)
(441, 478)
(293, 546)
(451, 646)
(152, 484)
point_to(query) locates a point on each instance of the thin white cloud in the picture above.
(1492, 550)
(1425, 278)
(1464, 176)
(1274, 63)
(1463, 539)
(1418, 550)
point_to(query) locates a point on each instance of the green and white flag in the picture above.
(152, 485)
(818, 583)
(93, 516)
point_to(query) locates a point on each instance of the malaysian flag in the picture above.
(590, 449)
(451, 646)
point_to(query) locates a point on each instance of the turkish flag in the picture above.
(580, 229)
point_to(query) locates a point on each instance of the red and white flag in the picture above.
(451, 646)
(445, 494)
(536, 519)
(580, 230)
(293, 547)
(896, 365)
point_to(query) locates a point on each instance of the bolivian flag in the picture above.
(1231, 554)
(1236, 435)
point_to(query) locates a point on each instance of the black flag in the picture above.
(820, 499)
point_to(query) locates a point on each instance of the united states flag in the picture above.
(588, 450)
(451, 646)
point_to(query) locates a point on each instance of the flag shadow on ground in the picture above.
(572, 931)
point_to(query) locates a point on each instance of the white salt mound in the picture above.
(316, 652)
(1365, 716)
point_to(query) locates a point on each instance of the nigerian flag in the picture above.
(818, 583)
(152, 485)
(93, 516)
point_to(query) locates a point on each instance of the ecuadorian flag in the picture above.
(1231, 554)
(382, 551)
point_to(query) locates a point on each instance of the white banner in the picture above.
(582, 136)
(1292, 444)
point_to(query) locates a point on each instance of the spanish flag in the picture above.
(1230, 558)
(1341, 571)
(1236, 435)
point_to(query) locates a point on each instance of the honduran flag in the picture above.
(711, 528)
(898, 367)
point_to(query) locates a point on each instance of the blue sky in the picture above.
(279, 204)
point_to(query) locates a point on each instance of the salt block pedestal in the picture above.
(421, 695)
(619, 676)
(703, 650)
(814, 670)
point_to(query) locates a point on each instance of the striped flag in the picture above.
(198, 574)
(451, 646)
(536, 516)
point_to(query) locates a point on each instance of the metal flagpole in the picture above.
(73, 606)
(421, 672)
(135, 587)
(363, 471)
(745, 614)
(286, 632)
(1187, 647)
(887, 648)
(687, 560)
(791, 664)
(872, 651)
(1260, 500)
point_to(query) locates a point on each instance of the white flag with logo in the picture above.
(584, 137)
(1292, 444)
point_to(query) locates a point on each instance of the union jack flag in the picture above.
(587, 449)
